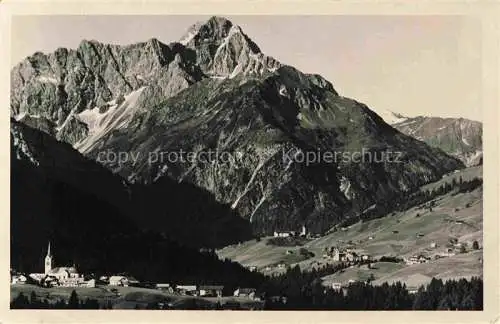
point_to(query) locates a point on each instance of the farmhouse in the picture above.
(351, 257)
(18, 279)
(366, 257)
(164, 287)
(245, 292)
(118, 281)
(337, 286)
(211, 291)
(282, 234)
(337, 255)
(417, 259)
(281, 266)
(412, 260)
(186, 289)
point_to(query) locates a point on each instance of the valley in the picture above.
(275, 217)
(453, 216)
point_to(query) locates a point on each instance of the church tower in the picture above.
(48, 261)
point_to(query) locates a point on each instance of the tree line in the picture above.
(303, 290)
(74, 302)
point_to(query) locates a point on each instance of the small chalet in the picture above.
(282, 234)
(118, 281)
(210, 291)
(337, 286)
(18, 279)
(165, 287)
(281, 266)
(245, 292)
(366, 257)
(186, 289)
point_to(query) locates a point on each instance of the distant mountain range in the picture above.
(459, 137)
(214, 90)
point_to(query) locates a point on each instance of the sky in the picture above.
(412, 65)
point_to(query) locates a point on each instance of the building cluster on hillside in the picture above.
(302, 233)
(452, 250)
(344, 255)
(414, 259)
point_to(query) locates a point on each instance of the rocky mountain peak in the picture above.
(213, 30)
(224, 50)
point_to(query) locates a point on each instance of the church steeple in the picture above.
(48, 260)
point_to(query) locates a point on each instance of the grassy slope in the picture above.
(438, 226)
(128, 297)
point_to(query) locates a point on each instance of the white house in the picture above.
(366, 257)
(245, 292)
(37, 276)
(186, 289)
(18, 279)
(336, 286)
(165, 287)
(212, 291)
(118, 281)
(89, 284)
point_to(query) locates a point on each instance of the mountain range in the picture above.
(212, 91)
(459, 137)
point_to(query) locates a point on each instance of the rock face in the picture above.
(213, 111)
(459, 137)
(50, 92)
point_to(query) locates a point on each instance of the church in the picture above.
(62, 276)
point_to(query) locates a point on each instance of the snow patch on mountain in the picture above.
(101, 124)
(391, 117)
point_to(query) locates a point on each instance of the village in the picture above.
(349, 255)
(64, 277)
(340, 257)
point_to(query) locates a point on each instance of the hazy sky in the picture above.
(414, 65)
